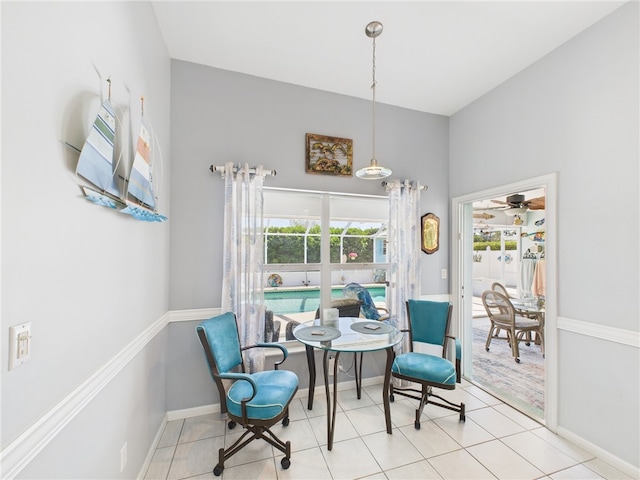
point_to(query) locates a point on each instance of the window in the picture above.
(316, 242)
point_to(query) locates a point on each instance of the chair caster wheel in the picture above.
(285, 421)
(391, 398)
(487, 349)
(232, 425)
(285, 462)
(218, 470)
(517, 360)
(417, 425)
(528, 344)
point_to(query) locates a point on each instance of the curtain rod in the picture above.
(221, 168)
(387, 183)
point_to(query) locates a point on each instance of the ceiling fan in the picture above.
(516, 203)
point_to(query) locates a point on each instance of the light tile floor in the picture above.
(496, 441)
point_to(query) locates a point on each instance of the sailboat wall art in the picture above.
(97, 166)
(96, 163)
(140, 201)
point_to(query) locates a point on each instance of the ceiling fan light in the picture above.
(515, 211)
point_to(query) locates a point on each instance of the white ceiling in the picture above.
(432, 56)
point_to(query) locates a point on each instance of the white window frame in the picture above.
(325, 267)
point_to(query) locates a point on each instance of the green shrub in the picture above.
(495, 246)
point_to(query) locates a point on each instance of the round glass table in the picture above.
(347, 334)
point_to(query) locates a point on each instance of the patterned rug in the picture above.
(521, 384)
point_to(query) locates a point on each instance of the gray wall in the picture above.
(90, 279)
(575, 112)
(219, 116)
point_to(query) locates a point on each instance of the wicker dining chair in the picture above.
(502, 316)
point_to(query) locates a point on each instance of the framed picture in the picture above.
(430, 233)
(329, 155)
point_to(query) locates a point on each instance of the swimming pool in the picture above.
(283, 301)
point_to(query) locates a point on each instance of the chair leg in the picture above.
(256, 432)
(515, 342)
(423, 401)
(488, 342)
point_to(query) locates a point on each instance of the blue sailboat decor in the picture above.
(96, 159)
(141, 202)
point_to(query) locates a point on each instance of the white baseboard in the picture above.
(599, 452)
(152, 451)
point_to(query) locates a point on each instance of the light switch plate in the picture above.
(20, 344)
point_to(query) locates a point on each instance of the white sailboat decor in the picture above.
(140, 201)
(96, 163)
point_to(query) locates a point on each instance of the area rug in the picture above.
(520, 384)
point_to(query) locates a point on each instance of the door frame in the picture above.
(461, 277)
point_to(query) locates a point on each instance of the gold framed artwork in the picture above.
(430, 233)
(329, 155)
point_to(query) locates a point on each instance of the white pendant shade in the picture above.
(373, 172)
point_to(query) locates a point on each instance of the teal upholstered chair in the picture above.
(429, 324)
(257, 401)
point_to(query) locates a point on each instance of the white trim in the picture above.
(154, 445)
(602, 332)
(23, 449)
(549, 183)
(599, 452)
(194, 314)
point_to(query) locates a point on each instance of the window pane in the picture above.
(292, 227)
(358, 229)
(294, 291)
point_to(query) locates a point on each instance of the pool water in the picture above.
(308, 299)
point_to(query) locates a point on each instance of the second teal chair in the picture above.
(429, 324)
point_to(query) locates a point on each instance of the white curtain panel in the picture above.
(242, 285)
(403, 250)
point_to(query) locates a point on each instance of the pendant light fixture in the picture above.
(373, 171)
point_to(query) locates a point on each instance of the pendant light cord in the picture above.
(373, 87)
(373, 171)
